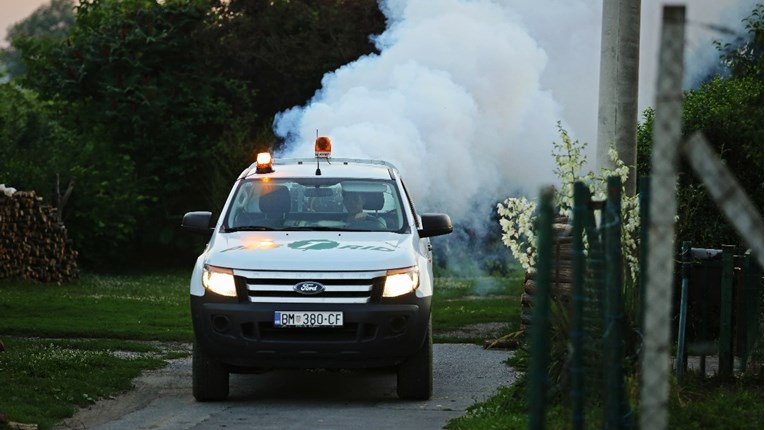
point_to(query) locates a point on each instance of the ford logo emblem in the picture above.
(309, 287)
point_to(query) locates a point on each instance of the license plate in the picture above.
(307, 319)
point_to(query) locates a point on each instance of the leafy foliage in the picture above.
(285, 47)
(24, 129)
(37, 146)
(158, 105)
(147, 112)
(51, 21)
(743, 57)
(729, 111)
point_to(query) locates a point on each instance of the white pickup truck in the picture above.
(314, 263)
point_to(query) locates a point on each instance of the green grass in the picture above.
(156, 306)
(704, 404)
(695, 404)
(45, 381)
(47, 371)
(142, 307)
(459, 302)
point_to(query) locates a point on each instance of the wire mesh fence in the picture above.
(621, 327)
(597, 323)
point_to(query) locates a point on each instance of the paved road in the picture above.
(463, 375)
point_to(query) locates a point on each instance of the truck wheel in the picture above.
(209, 376)
(415, 376)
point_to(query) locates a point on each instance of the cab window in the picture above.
(316, 203)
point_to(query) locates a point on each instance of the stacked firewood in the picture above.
(560, 278)
(33, 243)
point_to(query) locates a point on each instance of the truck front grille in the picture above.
(339, 287)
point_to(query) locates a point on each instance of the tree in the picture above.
(51, 21)
(132, 80)
(36, 146)
(728, 109)
(743, 56)
(25, 132)
(173, 97)
(284, 47)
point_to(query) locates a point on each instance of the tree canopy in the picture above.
(160, 104)
(728, 109)
(51, 21)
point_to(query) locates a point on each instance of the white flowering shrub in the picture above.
(517, 221)
(517, 214)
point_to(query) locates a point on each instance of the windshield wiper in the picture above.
(314, 228)
(249, 228)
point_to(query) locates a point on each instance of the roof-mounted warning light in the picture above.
(264, 163)
(323, 149)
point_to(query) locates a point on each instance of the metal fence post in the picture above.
(680, 355)
(726, 314)
(576, 336)
(540, 322)
(643, 200)
(617, 410)
(752, 307)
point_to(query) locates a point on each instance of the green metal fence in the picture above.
(597, 313)
(720, 310)
(604, 336)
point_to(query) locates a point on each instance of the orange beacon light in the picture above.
(323, 147)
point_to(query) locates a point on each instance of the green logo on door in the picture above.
(322, 244)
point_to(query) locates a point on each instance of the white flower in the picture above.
(517, 213)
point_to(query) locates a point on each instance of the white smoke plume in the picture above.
(465, 95)
(454, 100)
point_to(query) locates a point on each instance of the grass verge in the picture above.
(140, 307)
(473, 310)
(695, 404)
(45, 381)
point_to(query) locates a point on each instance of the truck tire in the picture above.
(209, 376)
(414, 379)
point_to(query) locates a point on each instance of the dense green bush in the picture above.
(728, 109)
(155, 107)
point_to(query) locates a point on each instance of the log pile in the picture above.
(561, 276)
(33, 244)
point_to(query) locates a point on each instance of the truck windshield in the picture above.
(316, 204)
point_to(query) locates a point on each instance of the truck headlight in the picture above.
(219, 281)
(400, 282)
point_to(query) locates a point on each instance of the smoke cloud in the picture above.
(464, 95)
(454, 100)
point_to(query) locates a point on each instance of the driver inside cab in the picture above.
(354, 203)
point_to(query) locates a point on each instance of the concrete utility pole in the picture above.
(618, 96)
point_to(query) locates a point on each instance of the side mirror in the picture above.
(197, 222)
(435, 225)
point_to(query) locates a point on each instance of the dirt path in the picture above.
(463, 375)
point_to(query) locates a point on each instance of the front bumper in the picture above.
(242, 335)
